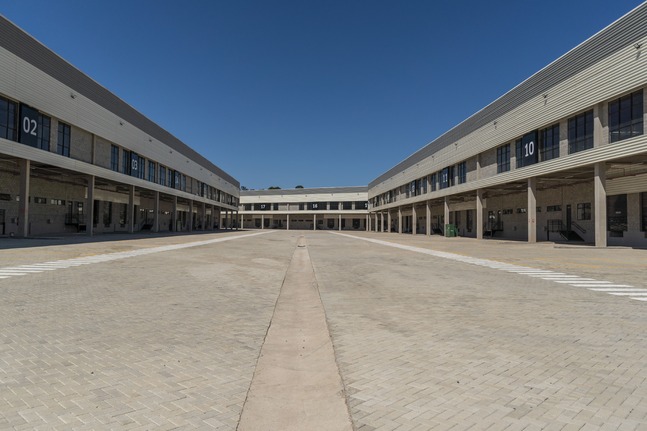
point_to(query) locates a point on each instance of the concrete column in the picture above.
(174, 218)
(428, 219)
(388, 221)
(446, 213)
(288, 226)
(532, 209)
(367, 223)
(339, 222)
(23, 206)
(89, 223)
(382, 222)
(600, 204)
(314, 222)
(414, 220)
(156, 213)
(204, 216)
(399, 219)
(377, 222)
(191, 215)
(241, 222)
(262, 221)
(479, 214)
(600, 125)
(236, 218)
(131, 209)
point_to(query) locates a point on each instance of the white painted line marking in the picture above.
(598, 285)
(629, 289)
(640, 299)
(628, 293)
(583, 280)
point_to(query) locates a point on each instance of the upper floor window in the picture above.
(151, 171)
(63, 146)
(580, 132)
(114, 158)
(549, 142)
(626, 117)
(462, 172)
(433, 182)
(8, 119)
(361, 205)
(162, 175)
(503, 159)
(447, 177)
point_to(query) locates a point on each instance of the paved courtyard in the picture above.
(165, 332)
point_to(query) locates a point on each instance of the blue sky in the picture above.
(316, 93)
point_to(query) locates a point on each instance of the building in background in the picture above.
(76, 158)
(562, 156)
(328, 208)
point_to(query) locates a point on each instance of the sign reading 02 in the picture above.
(28, 126)
(529, 149)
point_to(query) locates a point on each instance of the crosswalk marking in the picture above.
(37, 268)
(544, 274)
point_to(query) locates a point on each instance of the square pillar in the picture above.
(339, 222)
(414, 220)
(399, 219)
(532, 209)
(174, 218)
(288, 225)
(479, 214)
(235, 218)
(90, 205)
(428, 219)
(131, 209)
(367, 223)
(388, 221)
(262, 221)
(314, 221)
(382, 222)
(600, 203)
(23, 206)
(156, 213)
(446, 212)
(191, 216)
(204, 216)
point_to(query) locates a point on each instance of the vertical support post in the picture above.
(288, 225)
(381, 222)
(131, 209)
(204, 216)
(23, 207)
(446, 212)
(235, 218)
(367, 223)
(262, 221)
(428, 219)
(339, 222)
(191, 215)
(89, 223)
(479, 214)
(600, 203)
(414, 220)
(174, 218)
(314, 222)
(532, 210)
(156, 213)
(399, 219)
(388, 221)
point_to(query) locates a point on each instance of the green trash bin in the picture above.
(451, 230)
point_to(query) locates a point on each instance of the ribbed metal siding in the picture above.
(618, 35)
(292, 192)
(29, 49)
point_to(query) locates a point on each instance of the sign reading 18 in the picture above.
(529, 148)
(29, 126)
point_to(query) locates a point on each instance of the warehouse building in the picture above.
(327, 208)
(562, 156)
(76, 158)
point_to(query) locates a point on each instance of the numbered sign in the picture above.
(28, 126)
(134, 164)
(444, 178)
(529, 149)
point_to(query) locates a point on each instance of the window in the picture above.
(151, 171)
(347, 205)
(334, 205)
(584, 211)
(125, 165)
(162, 176)
(447, 177)
(580, 132)
(616, 214)
(507, 211)
(44, 126)
(8, 119)
(63, 147)
(59, 202)
(626, 117)
(114, 158)
(433, 182)
(521, 211)
(462, 172)
(423, 182)
(549, 142)
(361, 205)
(38, 200)
(503, 159)
(553, 208)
